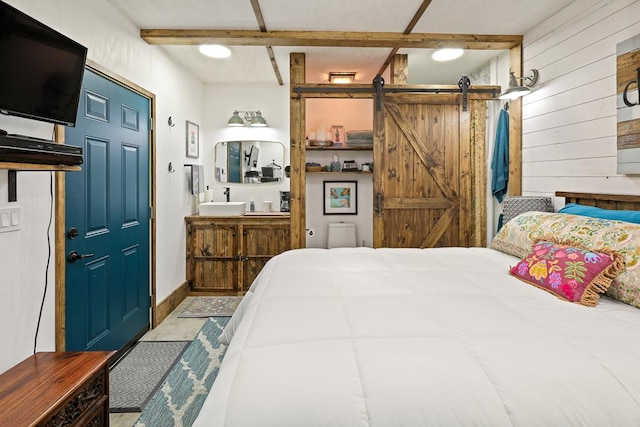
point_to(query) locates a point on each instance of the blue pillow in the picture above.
(618, 215)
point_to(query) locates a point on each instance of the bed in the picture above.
(434, 337)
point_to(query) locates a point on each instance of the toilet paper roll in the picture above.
(208, 195)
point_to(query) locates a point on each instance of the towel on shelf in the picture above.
(360, 134)
(500, 161)
(359, 138)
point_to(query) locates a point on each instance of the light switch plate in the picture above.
(10, 219)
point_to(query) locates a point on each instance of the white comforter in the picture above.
(411, 337)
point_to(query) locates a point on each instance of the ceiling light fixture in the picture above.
(217, 51)
(342, 77)
(447, 54)
(515, 90)
(252, 118)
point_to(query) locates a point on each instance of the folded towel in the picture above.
(359, 134)
(360, 142)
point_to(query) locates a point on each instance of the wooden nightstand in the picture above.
(57, 389)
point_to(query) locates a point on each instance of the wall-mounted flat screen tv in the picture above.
(253, 156)
(40, 69)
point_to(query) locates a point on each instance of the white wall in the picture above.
(115, 44)
(569, 121)
(353, 114)
(220, 101)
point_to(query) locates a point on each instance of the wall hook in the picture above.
(170, 168)
(170, 122)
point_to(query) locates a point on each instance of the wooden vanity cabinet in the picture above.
(225, 254)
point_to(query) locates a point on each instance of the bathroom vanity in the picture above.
(226, 253)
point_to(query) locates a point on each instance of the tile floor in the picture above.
(170, 329)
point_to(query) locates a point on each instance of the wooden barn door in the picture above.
(422, 172)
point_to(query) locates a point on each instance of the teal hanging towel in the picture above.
(500, 161)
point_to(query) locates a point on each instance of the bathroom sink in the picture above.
(222, 208)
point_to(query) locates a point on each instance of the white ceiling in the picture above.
(252, 64)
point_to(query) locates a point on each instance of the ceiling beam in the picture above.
(327, 39)
(425, 4)
(263, 27)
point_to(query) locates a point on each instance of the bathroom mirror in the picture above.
(249, 162)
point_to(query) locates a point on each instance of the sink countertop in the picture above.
(247, 214)
(259, 213)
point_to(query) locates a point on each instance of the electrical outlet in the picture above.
(311, 232)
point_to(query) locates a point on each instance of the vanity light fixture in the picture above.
(252, 118)
(217, 51)
(342, 77)
(447, 54)
(515, 90)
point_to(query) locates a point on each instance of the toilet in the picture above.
(341, 235)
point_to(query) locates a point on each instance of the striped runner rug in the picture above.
(178, 401)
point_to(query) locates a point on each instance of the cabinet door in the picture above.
(261, 243)
(214, 254)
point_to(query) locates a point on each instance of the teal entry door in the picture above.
(234, 170)
(107, 219)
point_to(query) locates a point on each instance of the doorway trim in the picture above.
(60, 214)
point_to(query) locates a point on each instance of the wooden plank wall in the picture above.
(569, 121)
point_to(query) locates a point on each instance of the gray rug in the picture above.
(178, 401)
(138, 375)
(208, 306)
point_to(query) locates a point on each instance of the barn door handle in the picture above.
(75, 256)
(378, 207)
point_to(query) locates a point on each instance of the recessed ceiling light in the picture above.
(342, 77)
(447, 54)
(214, 50)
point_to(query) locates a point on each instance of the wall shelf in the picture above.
(13, 167)
(37, 167)
(341, 172)
(332, 148)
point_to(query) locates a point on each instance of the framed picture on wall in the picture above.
(193, 140)
(337, 135)
(340, 197)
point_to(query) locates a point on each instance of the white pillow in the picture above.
(230, 329)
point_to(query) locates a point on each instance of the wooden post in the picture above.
(400, 69)
(60, 260)
(515, 128)
(297, 204)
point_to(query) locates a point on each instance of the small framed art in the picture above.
(193, 140)
(340, 197)
(337, 134)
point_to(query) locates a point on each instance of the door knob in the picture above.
(75, 256)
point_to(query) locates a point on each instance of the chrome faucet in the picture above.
(227, 192)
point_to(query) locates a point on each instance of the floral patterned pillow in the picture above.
(572, 273)
(518, 236)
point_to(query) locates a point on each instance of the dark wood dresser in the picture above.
(57, 389)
